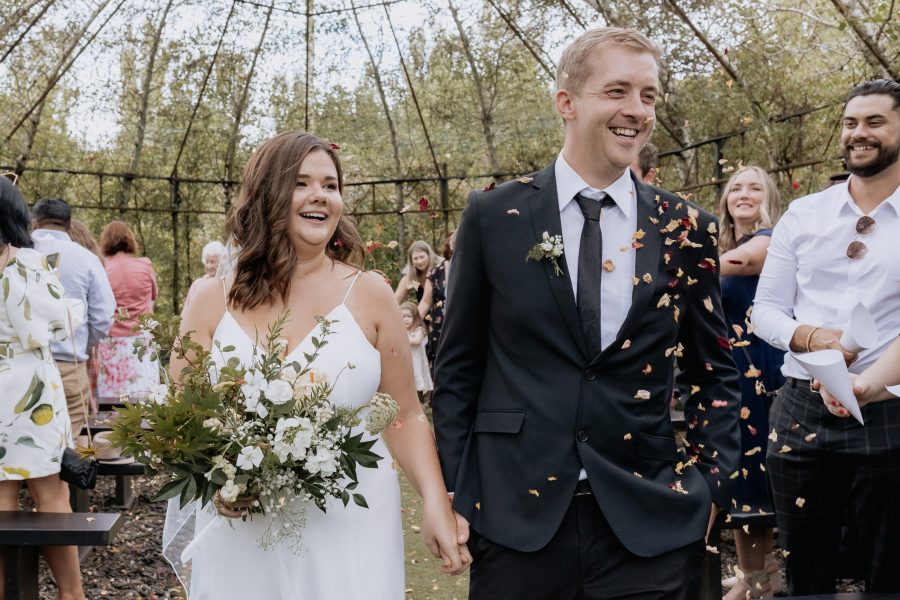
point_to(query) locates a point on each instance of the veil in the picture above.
(179, 530)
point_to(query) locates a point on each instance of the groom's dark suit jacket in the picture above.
(520, 407)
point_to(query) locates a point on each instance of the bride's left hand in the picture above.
(439, 531)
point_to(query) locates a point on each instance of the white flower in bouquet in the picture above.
(249, 458)
(308, 382)
(324, 462)
(221, 463)
(231, 490)
(213, 424)
(279, 392)
(158, 393)
(254, 384)
(382, 413)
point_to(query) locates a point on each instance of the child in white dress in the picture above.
(417, 336)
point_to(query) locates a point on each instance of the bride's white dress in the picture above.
(348, 552)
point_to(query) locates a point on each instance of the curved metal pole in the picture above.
(551, 68)
(64, 67)
(412, 91)
(187, 131)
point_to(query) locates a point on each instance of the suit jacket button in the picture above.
(590, 374)
(582, 435)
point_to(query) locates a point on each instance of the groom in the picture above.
(554, 373)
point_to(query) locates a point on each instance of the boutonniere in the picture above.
(549, 248)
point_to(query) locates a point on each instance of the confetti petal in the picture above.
(513, 211)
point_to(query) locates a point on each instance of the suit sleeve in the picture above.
(709, 376)
(459, 366)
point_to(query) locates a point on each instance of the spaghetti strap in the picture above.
(225, 293)
(350, 289)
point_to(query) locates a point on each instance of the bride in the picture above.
(299, 253)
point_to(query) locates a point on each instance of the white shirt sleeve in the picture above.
(773, 317)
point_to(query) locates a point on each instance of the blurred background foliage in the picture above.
(146, 110)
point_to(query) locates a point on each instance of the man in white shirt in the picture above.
(830, 251)
(556, 364)
(83, 278)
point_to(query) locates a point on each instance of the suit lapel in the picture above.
(646, 260)
(544, 207)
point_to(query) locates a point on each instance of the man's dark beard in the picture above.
(886, 157)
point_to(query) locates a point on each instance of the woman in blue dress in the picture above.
(746, 208)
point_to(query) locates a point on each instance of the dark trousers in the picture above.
(820, 483)
(583, 561)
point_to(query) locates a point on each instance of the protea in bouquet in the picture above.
(264, 432)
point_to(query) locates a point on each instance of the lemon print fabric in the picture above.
(34, 421)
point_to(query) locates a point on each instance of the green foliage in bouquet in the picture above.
(265, 431)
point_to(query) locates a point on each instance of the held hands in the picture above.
(863, 390)
(445, 533)
(238, 509)
(825, 339)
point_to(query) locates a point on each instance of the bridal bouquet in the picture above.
(264, 431)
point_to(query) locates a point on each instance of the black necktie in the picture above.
(590, 266)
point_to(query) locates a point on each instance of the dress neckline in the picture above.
(306, 338)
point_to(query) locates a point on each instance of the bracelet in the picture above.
(809, 337)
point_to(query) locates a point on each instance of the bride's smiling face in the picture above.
(316, 205)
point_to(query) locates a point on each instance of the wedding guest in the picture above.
(417, 336)
(434, 299)
(83, 278)
(211, 255)
(297, 251)
(421, 261)
(81, 235)
(556, 364)
(830, 251)
(133, 280)
(646, 165)
(33, 313)
(745, 229)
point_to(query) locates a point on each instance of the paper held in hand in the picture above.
(829, 368)
(894, 389)
(862, 332)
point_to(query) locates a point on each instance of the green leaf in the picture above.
(2, 451)
(26, 310)
(360, 501)
(27, 441)
(170, 490)
(53, 291)
(5, 289)
(32, 395)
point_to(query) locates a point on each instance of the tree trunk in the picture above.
(64, 62)
(231, 150)
(146, 86)
(13, 20)
(486, 117)
(871, 50)
(395, 143)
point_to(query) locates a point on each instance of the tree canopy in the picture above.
(147, 110)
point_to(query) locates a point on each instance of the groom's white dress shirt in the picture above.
(808, 279)
(617, 225)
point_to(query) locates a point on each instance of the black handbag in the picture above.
(77, 470)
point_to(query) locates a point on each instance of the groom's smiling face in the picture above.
(613, 114)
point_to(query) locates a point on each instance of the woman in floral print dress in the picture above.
(34, 420)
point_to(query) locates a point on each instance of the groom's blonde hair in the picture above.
(574, 67)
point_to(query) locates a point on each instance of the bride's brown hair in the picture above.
(260, 219)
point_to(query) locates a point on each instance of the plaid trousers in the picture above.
(825, 470)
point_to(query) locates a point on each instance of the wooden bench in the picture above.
(711, 587)
(124, 495)
(23, 533)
